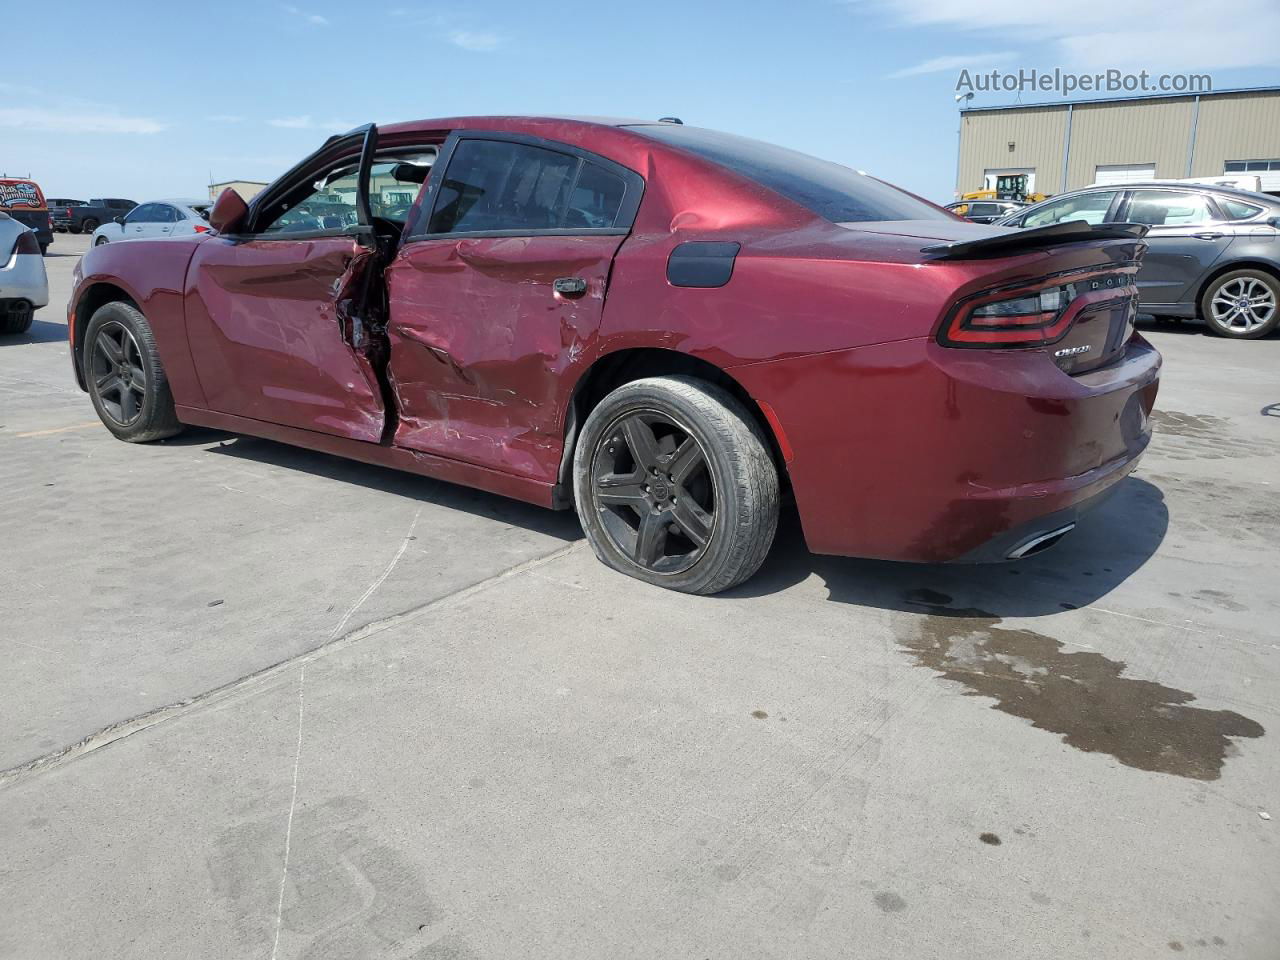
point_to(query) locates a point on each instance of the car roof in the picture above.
(1175, 185)
(510, 119)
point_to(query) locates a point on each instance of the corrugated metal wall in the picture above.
(1242, 126)
(1037, 135)
(1142, 131)
(1236, 127)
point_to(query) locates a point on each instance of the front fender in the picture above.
(151, 274)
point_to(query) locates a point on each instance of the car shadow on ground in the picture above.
(563, 525)
(40, 331)
(1104, 550)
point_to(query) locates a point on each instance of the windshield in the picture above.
(833, 191)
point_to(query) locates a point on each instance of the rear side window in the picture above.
(830, 190)
(1168, 208)
(596, 198)
(1238, 210)
(501, 186)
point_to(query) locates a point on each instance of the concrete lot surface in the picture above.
(259, 702)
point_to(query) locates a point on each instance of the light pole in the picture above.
(961, 98)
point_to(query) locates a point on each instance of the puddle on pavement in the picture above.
(1082, 696)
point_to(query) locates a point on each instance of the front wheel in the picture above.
(126, 381)
(89, 225)
(674, 485)
(100, 241)
(1242, 304)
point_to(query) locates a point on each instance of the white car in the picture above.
(159, 218)
(24, 288)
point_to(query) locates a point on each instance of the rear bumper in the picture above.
(23, 278)
(914, 452)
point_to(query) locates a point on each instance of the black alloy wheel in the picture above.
(675, 484)
(125, 377)
(116, 373)
(657, 497)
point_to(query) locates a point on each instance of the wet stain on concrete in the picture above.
(759, 714)
(346, 893)
(1084, 697)
(449, 947)
(890, 902)
(1190, 436)
(1217, 598)
(989, 838)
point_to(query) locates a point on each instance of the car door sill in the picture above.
(537, 492)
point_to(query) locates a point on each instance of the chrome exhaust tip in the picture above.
(1040, 542)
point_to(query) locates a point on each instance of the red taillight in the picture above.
(1034, 314)
(27, 243)
(200, 228)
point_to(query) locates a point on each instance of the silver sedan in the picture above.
(24, 287)
(159, 218)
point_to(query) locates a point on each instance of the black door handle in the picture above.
(570, 286)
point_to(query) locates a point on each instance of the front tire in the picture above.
(100, 241)
(674, 485)
(1242, 305)
(126, 380)
(89, 225)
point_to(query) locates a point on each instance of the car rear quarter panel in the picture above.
(152, 274)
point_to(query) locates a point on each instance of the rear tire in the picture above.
(1242, 305)
(16, 317)
(674, 485)
(126, 380)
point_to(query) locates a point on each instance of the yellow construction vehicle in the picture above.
(1008, 187)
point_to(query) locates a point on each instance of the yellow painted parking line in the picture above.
(75, 426)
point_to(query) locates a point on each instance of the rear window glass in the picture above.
(20, 195)
(830, 190)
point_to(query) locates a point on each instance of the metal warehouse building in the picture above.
(1066, 145)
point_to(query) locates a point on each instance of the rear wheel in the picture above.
(1242, 304)
(675, 486)
(125, 378)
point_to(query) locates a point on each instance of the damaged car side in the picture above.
(661, 326)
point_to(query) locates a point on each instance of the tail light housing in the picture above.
(1033, 314)
(27, 243)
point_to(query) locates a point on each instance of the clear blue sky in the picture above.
(152, 98)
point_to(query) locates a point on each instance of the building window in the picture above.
(1251, 166)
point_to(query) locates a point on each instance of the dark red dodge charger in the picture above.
(659, 325)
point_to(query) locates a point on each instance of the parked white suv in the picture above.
(24, 288)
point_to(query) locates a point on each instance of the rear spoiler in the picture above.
(1022, 241)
